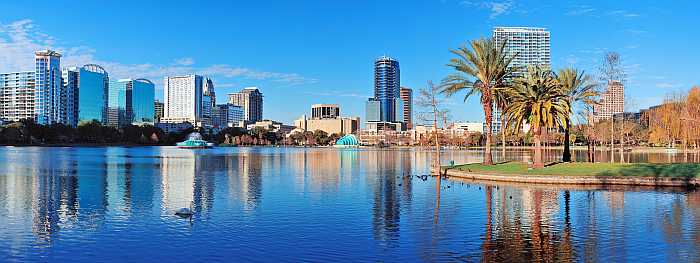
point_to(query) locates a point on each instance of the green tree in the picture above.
(482, 70)
(321, 137)
(537, 99)
(579, 88)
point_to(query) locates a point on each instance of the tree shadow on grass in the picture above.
(680, 171)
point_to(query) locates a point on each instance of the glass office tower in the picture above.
(387, 86)
(93, 88)
(118, 100)
(70, 87)
(142, 107)
(48, 87)
(130, 102)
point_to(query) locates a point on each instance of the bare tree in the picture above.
(429, 99)
(611, 70)
(630, 105)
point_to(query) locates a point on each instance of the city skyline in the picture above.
(636, 33)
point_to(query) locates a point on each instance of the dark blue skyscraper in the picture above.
(387, 87)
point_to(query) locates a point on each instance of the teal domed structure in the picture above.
(347, 141)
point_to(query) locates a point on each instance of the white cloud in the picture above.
(184, 61)
(19, 40)
(496, 8)
(581, 10)
(667, 85)
(623, 13)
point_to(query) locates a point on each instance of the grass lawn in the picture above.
(590, 169)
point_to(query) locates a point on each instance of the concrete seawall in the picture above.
(580, 180)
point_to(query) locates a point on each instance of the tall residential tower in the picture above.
(407, 98)
(387, 82)
(183, 99)
(530, 46)
(251, 99)
(612, 102)
(48, 87)
(385, 110)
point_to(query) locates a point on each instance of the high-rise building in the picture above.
(183, 99)
(48, 87)
(208, 101)
(70, 86)
(251, 99)
(325, 111)
(92, 84)
(158, 106)
(407, 98)
(530, 46)
(387, 82)
(373, 110)
(142, 107)
(119, 100)
(227, 115)
(17, 96)
(612, 102)
(130, 102)
(387, 101)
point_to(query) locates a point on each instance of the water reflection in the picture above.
(320, 204)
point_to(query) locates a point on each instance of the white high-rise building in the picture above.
(17, 96)
(183, 99)
(532, 47)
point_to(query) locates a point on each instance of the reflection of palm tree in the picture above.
(507, 239)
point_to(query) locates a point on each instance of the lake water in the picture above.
(324, 205)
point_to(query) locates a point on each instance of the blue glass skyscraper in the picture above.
(387, 86)
(48, 87)
(93, 88)
(142, 107)
(130, 102)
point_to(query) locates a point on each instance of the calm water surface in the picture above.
(326, 205)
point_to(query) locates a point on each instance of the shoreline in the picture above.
(577, 180)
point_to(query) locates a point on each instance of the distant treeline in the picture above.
(28, 132)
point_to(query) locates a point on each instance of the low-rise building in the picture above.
(270, 125)
(326, 117)
(168, 127)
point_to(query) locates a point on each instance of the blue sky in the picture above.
(304, 52)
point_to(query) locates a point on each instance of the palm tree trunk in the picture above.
(567, 150)
(488, 159)
(537, 160)
(503, 138)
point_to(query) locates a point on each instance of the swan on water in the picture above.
(184, 212)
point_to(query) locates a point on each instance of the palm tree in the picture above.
(578, 88)
(538, 100)
(480, 70)
(501, 102)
